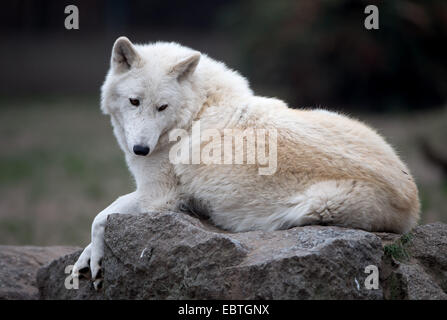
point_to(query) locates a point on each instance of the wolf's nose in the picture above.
(140, 150)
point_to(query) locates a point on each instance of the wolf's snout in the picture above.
(140, 150)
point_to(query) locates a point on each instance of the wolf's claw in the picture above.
(97, 284)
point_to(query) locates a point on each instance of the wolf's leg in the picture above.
(347, 203)
(83, 263)
(93, 253)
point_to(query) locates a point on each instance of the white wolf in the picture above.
(331, 169)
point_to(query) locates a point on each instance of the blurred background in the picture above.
(59, 162)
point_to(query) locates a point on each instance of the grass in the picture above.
(60, 165)
(398, 250)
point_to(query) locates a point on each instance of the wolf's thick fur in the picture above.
(331, 169)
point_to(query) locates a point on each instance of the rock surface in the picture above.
(175, 256)
(415, 265)
(18, 269)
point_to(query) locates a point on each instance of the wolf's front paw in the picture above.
(82, 265)
(89, 265)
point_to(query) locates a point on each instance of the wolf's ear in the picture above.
(124, 55)
(185, 67)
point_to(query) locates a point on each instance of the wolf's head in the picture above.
(148, 91)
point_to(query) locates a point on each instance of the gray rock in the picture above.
(18, 268)
(175, 256)
(415, 284)
(415, 266)
(52, 280)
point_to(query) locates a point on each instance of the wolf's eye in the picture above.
(134, 102)
(161, 108)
